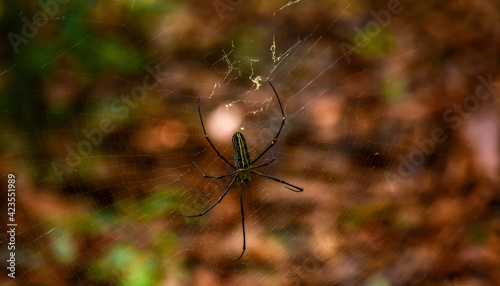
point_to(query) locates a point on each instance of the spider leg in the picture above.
(214, 177)
(208, 139)
(218, 201)
(295, 188)
(266, 163)
(242, 225)
(281, 127)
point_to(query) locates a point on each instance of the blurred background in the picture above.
(392, 130)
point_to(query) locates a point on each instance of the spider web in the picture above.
(101, 128)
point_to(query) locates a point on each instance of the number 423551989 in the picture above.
(11, 205)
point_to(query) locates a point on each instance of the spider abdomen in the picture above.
(241, 156)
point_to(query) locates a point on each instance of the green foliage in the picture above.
(125, 265)
(393, 89)
(63, 245)
(158, 204)
(360, 215)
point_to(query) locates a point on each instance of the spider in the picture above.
(243, 166)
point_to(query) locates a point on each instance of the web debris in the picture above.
(289, 4)
(278, 60)
(230, 65)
